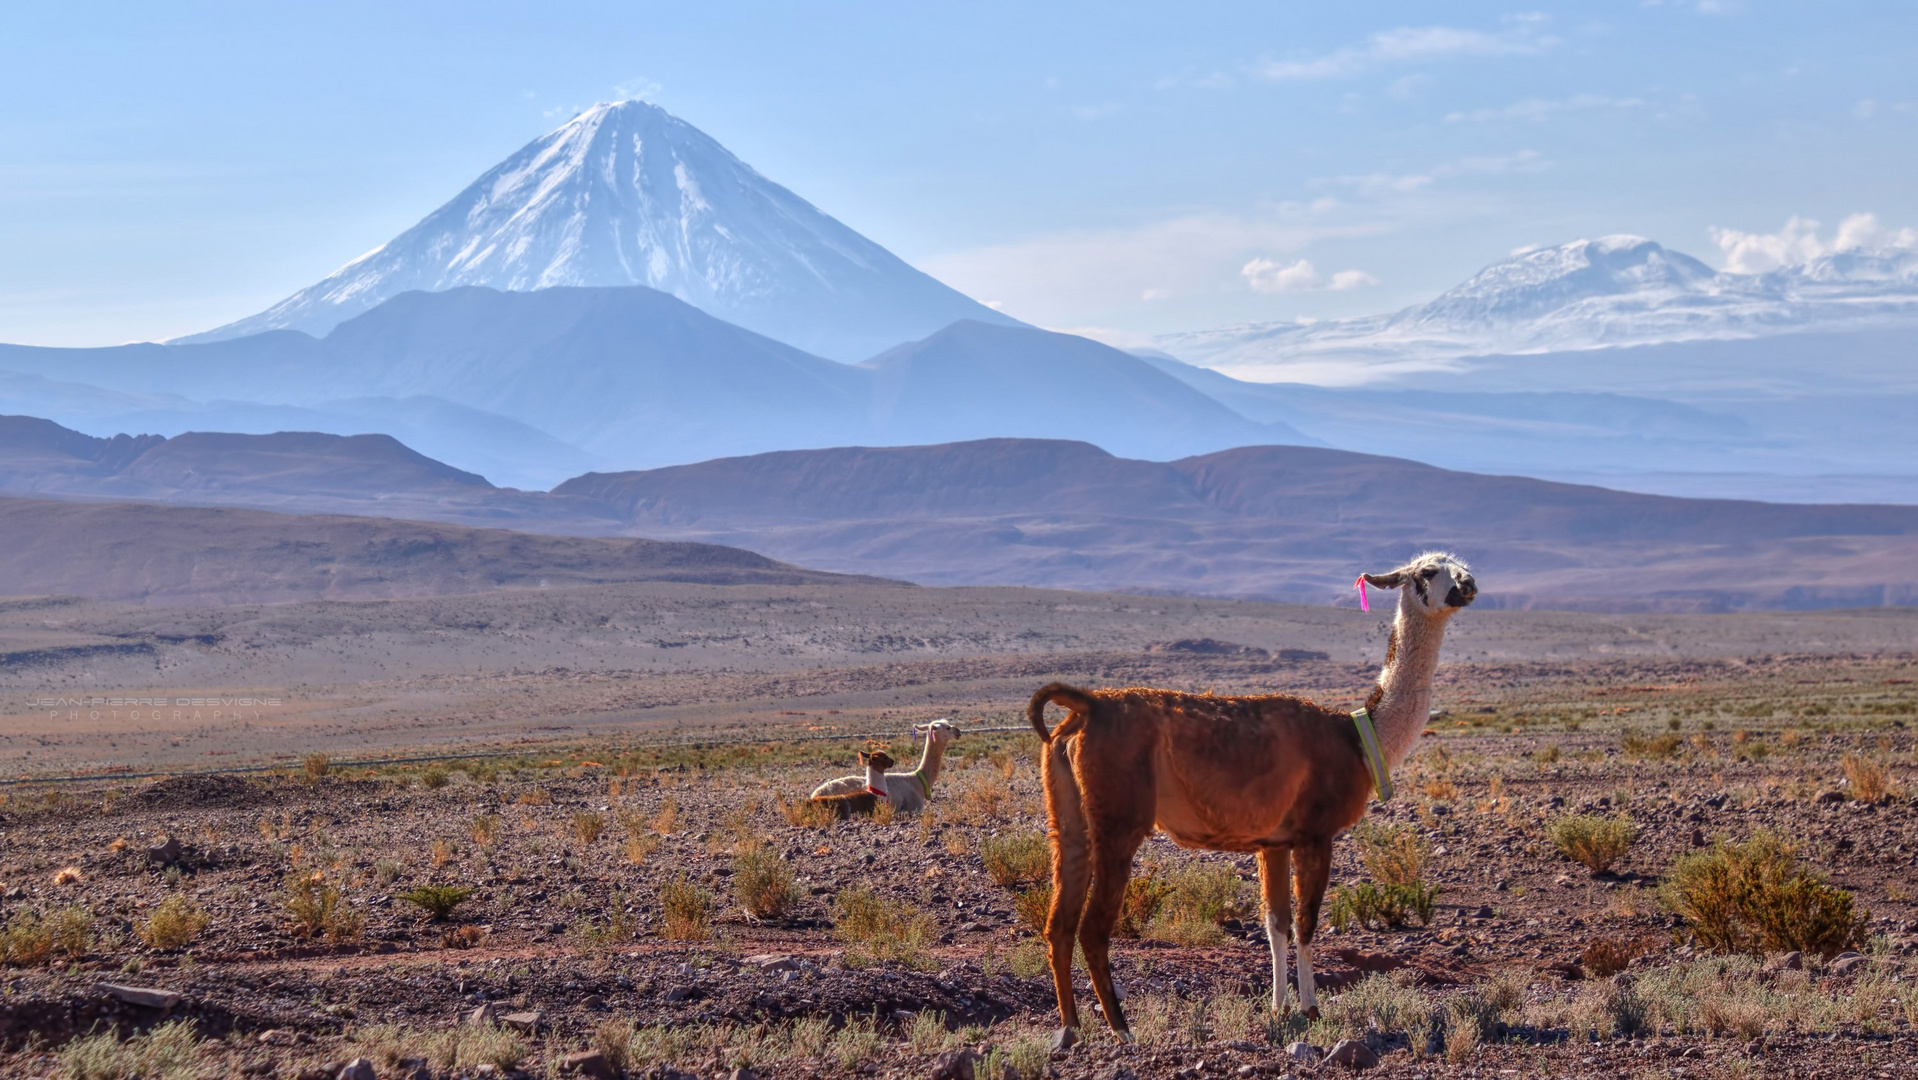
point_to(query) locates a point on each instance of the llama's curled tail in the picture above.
(1073, 699)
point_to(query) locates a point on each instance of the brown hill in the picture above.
(183, 555)
(1277, 522)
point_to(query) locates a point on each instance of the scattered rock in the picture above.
(279, 1037)
(741, 1072)
(955, 1065)
(484, 1016)
(145, 997)
(1353, 1054)
(1064, 1039)
(166, 852)
(1847, 963)
(1792, 961)
(357, 1069)
(1830, 796)
(772, 962)
(526, 1023)
(590, 1064)
(1698, 838)
(1304, 1052)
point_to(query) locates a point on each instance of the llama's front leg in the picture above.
(1314, 872)
(1275, 885)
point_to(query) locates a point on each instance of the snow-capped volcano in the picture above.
(1616, 290)
(628, 194)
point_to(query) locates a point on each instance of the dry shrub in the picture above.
(1371, 904)
(484, 829)
(1597, 842)
(434, 777)
(1199, 896)
(685, 911)
(1440, 790)
(587, 825)
(463, 937)
(318, 909)
(316, 766)
(878, 930)
(539, 796)
(764, 883)
(1637, 744)
(980, 799)
(804, 813)
(27, 940)
(668, 816)
(640, 847)
(1033, 906)
(1754, 896)
(1393, 854)
(1145, 894)
(1606, 957)
(1019, 858)
(1870, 780)
(437, 901)
(443, 852)
(73, 932)
(174, 923)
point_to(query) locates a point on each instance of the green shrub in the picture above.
(763, 882)
(174, 923)
(1370, 904)
(1016, 858)
(1597, 842)
(685, 911)
(1393, 854)
(27, 941)
(1754, 896)
(877, 930)
(1198, 897)
(437, 901)
(1034, 906)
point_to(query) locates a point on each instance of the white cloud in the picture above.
(1537, 110)
(1381, 183)
(1720, 7)
(638, 88)
(1407, 45)
(1269, 276)
(1798, 242)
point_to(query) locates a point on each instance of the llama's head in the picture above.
(1436, 583)
(940, 732)
(878, 760)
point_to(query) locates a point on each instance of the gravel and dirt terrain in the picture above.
(603, 847)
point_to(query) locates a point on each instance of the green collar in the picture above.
(920, 775)
(1374, 757)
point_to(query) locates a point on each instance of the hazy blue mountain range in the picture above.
(628, 194)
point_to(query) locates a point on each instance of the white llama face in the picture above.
(1435, 583)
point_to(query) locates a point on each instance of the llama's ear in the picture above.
(1385, 581)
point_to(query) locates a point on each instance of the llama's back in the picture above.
(845, 785)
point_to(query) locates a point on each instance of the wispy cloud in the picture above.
(1264, 275)
(638, 88)
(1798, 243)
(1538, 110)
(1408, 45)
(1095, 112)
(1384, 183)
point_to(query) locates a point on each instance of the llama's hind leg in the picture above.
(1113, 845)
(1066, 825)
(1275, 884)
(1314, 872)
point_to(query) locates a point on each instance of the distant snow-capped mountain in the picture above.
(628, 194)
(1616, 290)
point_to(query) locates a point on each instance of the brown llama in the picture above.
(1275, 775)
(860, 803)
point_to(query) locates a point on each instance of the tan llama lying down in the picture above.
(1272, 774)
(907, 791)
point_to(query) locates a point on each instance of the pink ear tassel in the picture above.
(1364, 605)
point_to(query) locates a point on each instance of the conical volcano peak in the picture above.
(626, 193)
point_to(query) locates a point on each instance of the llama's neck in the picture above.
(875, 778)
(930, 761)
(1402, 702)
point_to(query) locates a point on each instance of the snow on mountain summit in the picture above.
(1615, 290)
(627, 194)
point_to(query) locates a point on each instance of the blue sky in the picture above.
(1135, 168)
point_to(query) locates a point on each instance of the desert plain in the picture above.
(562, 832)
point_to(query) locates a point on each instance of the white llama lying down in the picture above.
(908, 792)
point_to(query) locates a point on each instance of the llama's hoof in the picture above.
(1312, 1013)
(1125, 1037)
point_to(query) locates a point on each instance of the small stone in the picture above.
(1353, 1054)
(526, 1023)
(772, 962)
(679, 993)
(1120, 1072)
(144, 996)
(590, 1064)
(1792, 961)
(357, 1069)
(1064, 1039)
(279, 1037)
(955, 1065)
(1304, 1052)
(1830, 796)
(166, 852)
(485, 1016)
(1848, 964)
(741, 1072)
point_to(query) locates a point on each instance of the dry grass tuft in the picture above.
(587, 825)
(763, 882)
(316, 766)
(879, 930)
(1596, 842)
(1018, 858)
(174, 923)
(804, 813)
(668, 816)
(980, 799)
(466, 936)
(640, 847)
(27, 940)
(68, 875)
(1637, 744)
(1870, 780)
(484, 829)
(1198, 897)
(685, 911)
(1754, 896)
(318, 909)
(1606, 957)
